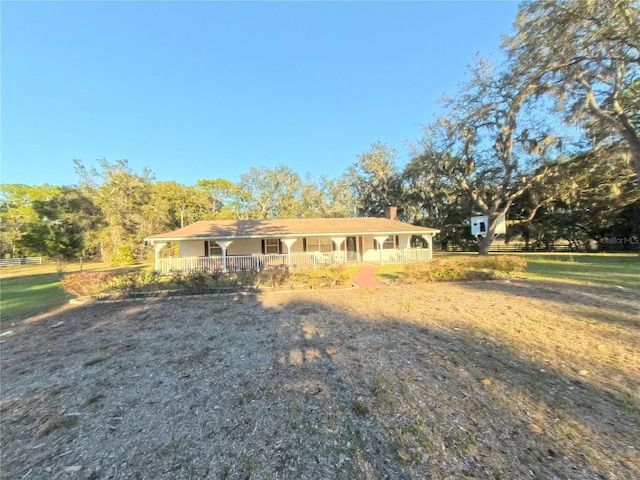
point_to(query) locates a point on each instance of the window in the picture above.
(319, 244)
(271, 245)
(389, 244)
(215, 250)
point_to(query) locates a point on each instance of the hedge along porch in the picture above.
(256, 244)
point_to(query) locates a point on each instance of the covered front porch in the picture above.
(227, 255)
(253, 262)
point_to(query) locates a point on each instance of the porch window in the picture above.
(215, 250)
(319, 244)
(271, 245)
(389, 244)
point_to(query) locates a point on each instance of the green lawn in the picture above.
(23, 296)
(605, 269)
(389, 272)
(600, 269)
(27, 290)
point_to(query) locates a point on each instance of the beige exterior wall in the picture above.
(240, 246)
(404, 241)
(297, 247)
(245, 246)
(192, 248)
(371, 255)
(248, 246)
(368, 254)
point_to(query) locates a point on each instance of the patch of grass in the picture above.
(94, 398)
(467, 441)
(304, 311)
(389, 273)
(599, 269)
(27, 290)
(377, 385)
(45, 268)
(23, 296)
(225, 472)
(359, 408)
(418, 429)
(408, 306)
(606, 269)
(93, 361)
(627, 404)
(56, 422)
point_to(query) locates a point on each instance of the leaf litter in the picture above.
(474, 380)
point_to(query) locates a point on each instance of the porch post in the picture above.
(156, 254)
(288, 242)
(338, 241)
(429, 239)
(224, 244)
(381, 241)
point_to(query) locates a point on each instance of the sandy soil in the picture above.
(498, 380)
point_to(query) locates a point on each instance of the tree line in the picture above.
(549, 137)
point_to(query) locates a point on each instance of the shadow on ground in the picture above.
(354, 384)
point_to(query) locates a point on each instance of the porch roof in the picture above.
(283, 228)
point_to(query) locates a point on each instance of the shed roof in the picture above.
(283, 228)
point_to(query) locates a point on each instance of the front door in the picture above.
(352, 249)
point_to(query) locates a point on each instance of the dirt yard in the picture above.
(495, 380)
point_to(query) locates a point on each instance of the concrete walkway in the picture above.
(366, 278)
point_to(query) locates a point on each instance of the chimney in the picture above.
(391, 213)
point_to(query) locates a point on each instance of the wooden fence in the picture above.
(6, 262)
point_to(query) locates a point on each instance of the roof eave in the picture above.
(432, 231)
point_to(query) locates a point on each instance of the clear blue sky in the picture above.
(197, 90)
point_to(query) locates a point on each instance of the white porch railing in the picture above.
(294, 260)
(244, 262)
(407, 255)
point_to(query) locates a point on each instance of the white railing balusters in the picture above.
(294, 260)
(407, 255)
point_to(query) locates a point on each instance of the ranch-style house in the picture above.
(228, 245)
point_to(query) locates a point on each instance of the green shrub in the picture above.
(464, 268)
(132, 282)
(223, 281)
(203, 281)
(274, 277)
(329, 276)
(281, 276)
(86, 284)
(437, 271)
(192, 283)
(123, 255)
(246, 278)
(499, 263)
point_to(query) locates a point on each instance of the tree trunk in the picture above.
(484, 244)
(634, 146)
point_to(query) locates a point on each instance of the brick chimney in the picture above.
(391, 212)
